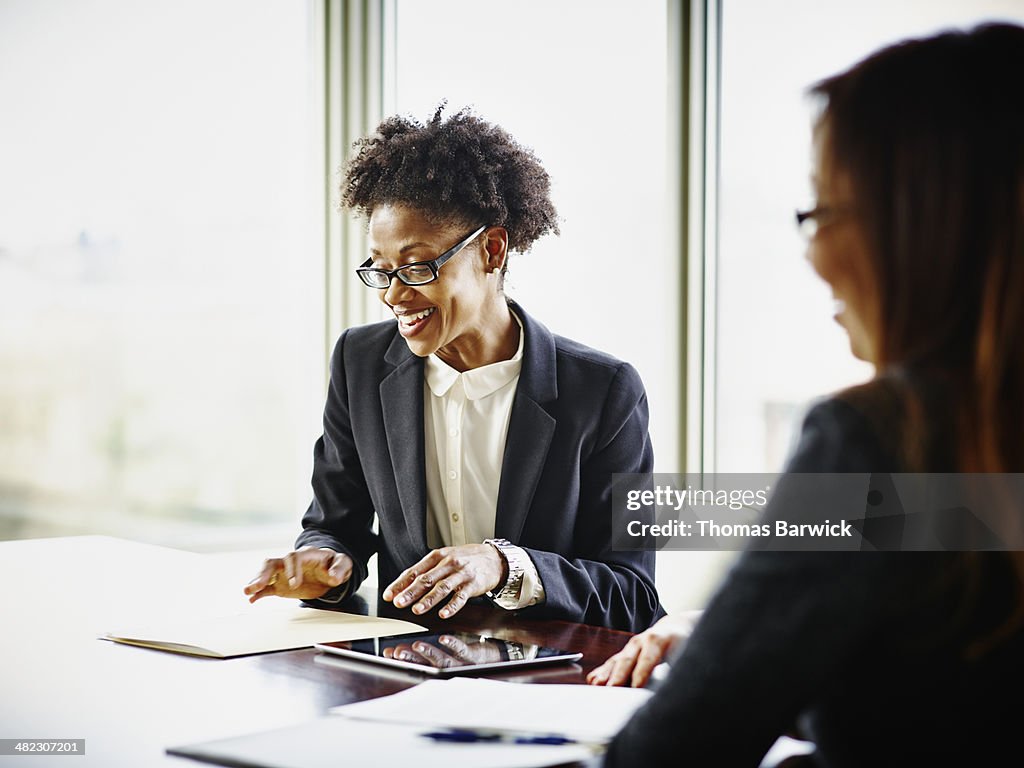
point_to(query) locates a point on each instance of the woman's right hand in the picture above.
(635, 662)
(306, 574)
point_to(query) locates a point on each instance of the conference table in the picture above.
(60, 681)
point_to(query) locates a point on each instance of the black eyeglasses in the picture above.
(808, 222)
(416, 273)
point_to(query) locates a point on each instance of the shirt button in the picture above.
(455, 517)
(452, 474)
(453, 432)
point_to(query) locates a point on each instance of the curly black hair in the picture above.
(456, 169)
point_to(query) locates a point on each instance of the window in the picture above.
(161, 287)
(776, 346)
(583, 84)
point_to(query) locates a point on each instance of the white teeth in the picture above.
(838, 306)
(416, 316)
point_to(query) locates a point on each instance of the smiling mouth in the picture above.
(838, 309)
(410, 322)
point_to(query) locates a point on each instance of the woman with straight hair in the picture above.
(885, 657)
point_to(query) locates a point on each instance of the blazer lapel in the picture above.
(401, 397)
(530, 429)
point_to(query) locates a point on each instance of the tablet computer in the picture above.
(448, 653)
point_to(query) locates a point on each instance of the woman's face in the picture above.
(839, 253)
(449, 315)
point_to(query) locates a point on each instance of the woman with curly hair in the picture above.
(483, 443)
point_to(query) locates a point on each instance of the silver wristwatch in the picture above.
(513, 558)
(514, 651)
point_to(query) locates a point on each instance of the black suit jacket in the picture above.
(578, 416)
(870, 652)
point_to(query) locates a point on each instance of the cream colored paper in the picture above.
(194, 604)
(258, 629)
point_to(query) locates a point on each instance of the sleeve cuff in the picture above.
(333, 596)
(531, 590)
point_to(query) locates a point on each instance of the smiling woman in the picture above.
(484, 444)
(838, 251)
(464, 318)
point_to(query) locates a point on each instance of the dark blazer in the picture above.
(578, 416)
(868, 652)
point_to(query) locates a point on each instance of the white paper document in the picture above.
(194, 604)
(329, 742)
(586, 713)
(257, 629)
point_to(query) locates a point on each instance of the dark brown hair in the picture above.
(930, 134)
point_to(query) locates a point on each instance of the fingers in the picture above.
(416, 586)
(434, 655)
(454, 581)
(406, 653)
(305, 573)
(458, 648)
(408, 578)
(637, 660)
(266, 592)
(264, 582)
(426, 583)
(651, 655)
(340, 569)
(618, 667)
(292, 571)
(456, 604)
(599, 675)
(634, 663)
(622, 668)
(450, 584)
(450, 575)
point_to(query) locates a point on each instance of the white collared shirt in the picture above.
(465, 423)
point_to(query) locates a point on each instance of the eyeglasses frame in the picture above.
(815, 215)
(434, 264)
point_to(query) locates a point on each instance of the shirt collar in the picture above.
(477, 382)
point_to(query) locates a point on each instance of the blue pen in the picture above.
(461, 735)
(544, 740)
(465, 736)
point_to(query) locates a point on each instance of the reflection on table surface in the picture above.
(130, 703)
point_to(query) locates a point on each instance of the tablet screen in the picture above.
(448, 653)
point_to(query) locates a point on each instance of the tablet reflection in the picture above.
(455, 649)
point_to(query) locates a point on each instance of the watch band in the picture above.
(513, 558)
(514, 651)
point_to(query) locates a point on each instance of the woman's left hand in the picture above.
(452, 573)
(634, 664)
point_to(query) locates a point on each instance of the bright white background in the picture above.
(583, 84)
(161, 255)
(160, 282)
